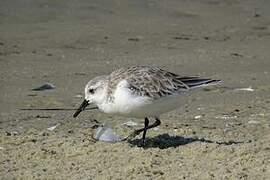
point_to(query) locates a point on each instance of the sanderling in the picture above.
(140, 92)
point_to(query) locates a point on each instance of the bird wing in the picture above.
(154, 82)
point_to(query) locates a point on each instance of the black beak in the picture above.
(81, 108)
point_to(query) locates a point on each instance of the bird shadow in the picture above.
(165, 141)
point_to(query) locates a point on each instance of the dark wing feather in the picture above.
(193, 82)
(154, 82)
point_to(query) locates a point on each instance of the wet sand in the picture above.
(218, 133)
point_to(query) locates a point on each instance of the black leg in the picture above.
(155, 124)
(138, 131)
(146, 123)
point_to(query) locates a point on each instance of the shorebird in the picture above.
(140, 92)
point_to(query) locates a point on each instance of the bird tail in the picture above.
(196, 82)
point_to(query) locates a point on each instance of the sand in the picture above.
(218, 133)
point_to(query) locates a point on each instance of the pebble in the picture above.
(244, 89)
(43, 87)
(253, 122)
(52, 127)
(78, 96)
(130, 124)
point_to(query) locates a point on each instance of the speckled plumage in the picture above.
(152, 82)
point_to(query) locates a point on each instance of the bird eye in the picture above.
(91, 91)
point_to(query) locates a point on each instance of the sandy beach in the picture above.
(222, 132)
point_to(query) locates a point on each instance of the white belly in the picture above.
(156, 108)
(126, 104)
